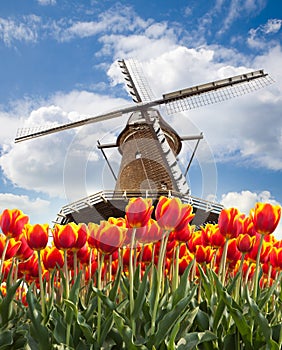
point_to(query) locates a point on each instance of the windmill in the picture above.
(149, 145)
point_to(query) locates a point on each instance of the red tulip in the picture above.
(233, 253)
(65, 236)
(245, 242)
(171, 213)
(265, 217)
(108, 237)
(36, 236)
(138, 212)
(185, 234)
(12, 222)
(12, 249)
(216, 238)
(153, 232)
(24, 252)
(203, 254)
(227, 222)
(52, 258)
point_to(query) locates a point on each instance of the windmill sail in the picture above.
(176, 101)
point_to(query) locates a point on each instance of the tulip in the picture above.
(12, 222)
(153, 232)
(265, 217)
(217, 240)
(52, 258)
(36, 236)
(171, 213)
(65, 236)
(12, 247)
(24, 252)
(108, 237)
(203, 254)
(245, 242)
(185, 234)
(227, 222)
(138, 212)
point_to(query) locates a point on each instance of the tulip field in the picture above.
(149, 280)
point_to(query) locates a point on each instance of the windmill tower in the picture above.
(149, 146)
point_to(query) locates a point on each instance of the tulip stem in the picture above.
(41, 285)
(239, 281)
(131, 280)
(3, 256)
(99, 306)
(159, 279)
(222, 268)
(66, 273)
(175, 269)
(256, 282)
(75, 264)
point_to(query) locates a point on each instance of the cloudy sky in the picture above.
(58, 64)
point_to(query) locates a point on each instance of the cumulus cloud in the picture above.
(59, 164)
(34, 208)
(246, 200)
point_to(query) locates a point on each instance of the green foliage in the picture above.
(198, 314)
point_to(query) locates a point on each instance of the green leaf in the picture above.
(261, 322)
(126, 333)
(239, 319)
(40, 333)
(59, 331)
(167, 322)
(183, 286)
(86, 329)
(141, 295)
(114, 290)
(6, 305)
(191, 340)
(6, 338)
(153, 292)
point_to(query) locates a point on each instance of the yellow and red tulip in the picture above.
(227, 222)
(172, 213)
(52, 258)
(265, 217)
(36, 236)
(245, 242)
(108, 237)
(12, 222)
(12, 249)
(65, 236)
(138, 212)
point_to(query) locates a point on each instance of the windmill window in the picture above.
(137, 155)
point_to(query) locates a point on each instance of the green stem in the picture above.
(175, 269)
(239, 281)
(3, 257)
(255, 290)
(222, 268)
(75, 264)
(159, 280)
(66, 274)
(99, 306)
(42, 295)
(131, 280)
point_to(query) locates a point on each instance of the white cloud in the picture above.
(46, 2)
(261, 37)
(246, 200)
(59, 164)
(25, 30)
(34, 208)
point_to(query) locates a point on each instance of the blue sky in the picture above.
(58, 63)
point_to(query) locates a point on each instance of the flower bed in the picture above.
(142, 283)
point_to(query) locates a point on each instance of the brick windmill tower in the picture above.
(149, 146)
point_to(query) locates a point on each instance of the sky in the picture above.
(59, 64)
